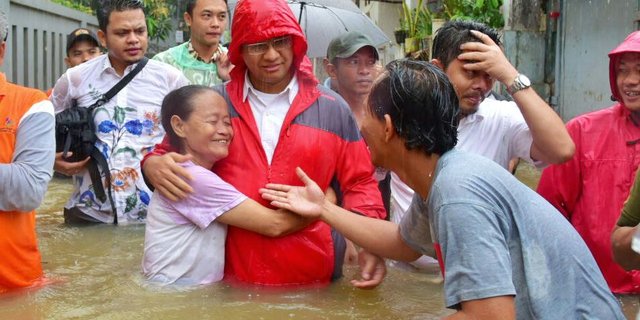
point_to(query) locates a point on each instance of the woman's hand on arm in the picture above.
(169, 178)
(380, 237)
(252, 216)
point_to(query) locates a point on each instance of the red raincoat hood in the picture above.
(260, 20)
(630, 44)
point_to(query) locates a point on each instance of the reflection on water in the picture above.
(98, 274)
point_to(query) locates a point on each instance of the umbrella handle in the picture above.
(302, 3)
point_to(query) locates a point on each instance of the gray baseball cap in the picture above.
(347, 44)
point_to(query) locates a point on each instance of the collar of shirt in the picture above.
(476, 116)
(291, 89)
(107, 67)
(195, 55)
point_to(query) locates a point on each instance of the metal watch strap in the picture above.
(518, 85)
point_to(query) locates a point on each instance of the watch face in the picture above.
(524, 80)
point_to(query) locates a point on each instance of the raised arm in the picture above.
(560, 184)
(377, 236)
(551, 142)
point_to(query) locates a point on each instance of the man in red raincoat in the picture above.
(282, 119)
(591, 188)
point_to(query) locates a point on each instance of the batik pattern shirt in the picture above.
(127, 126)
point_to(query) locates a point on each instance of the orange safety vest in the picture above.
(19, 256)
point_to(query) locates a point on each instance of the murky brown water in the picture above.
(99, 272)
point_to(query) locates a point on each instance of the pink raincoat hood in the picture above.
(260, 20)
(630, 44)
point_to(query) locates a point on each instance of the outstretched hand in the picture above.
(487, 56)
(306, 201)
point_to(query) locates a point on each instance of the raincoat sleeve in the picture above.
(356, 176)
(560, 183)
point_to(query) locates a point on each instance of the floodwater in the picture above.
(96, 270)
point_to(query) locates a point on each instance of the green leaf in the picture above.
(126, 149)
(101, 109)
(118, 117)
(132, 201)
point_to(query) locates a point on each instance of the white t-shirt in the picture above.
(496, 131)
(182, 243)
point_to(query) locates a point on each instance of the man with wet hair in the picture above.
(27, 148)
(127, 126)
(489, 231)
(282, 118)
(202, 59)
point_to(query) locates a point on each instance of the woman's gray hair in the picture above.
(4, 26)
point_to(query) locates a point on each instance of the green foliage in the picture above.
(423, 26)
(485, 11)
(416, 21)
(158, 14)
(83, 6)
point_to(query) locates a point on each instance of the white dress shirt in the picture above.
(269, 111)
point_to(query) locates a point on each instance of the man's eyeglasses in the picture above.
(259, 48)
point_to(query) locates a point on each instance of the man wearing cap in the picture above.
(352, 66)
(202, 59)
(82, 46)
(27, 147)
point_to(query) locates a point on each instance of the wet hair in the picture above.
(179, 103)
(421, 102)
(4, 27)
(192, 4)
(108, 6)
(449, 38)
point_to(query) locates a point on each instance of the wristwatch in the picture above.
(520, 82)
